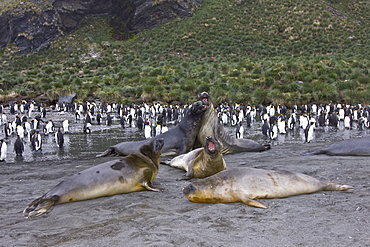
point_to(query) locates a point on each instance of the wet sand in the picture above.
(325, 218)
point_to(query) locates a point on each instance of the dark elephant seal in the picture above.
(201, 162)
(134, 172)
(246, 184)
(179, 139)
(351, 147)
(211, 127)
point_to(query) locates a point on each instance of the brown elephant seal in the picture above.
(201, 162)
(351, 147)
(246, 184)
(211, 127)
(179, 139)
(134, 172)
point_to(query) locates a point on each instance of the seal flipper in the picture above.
(147, 181)
(109, 152)
(316, 152)
(148, 186)
(166, 162)
(40, 206)
(252, 203)
(186, 176)
(337, 187)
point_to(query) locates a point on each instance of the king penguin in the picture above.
(66, 126)
(265, 127)
(164, 128)
(87, 128)
(273, 131)
(3, 150)
(308, 131)
(36, 142)
(147, 130)
(59, 138)
(18, 146)
(239, 131)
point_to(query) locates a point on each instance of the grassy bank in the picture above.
(284, 52)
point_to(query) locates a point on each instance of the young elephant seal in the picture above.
(350, 147)
(201, 162)
(134, 172)
(246, 184)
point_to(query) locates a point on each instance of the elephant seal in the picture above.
(351, 147)
(212, 127)
(134, 172)
(246, 184)
(179, 139)
(201, 162)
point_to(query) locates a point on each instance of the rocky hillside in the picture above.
(256, 52)
(32, 24)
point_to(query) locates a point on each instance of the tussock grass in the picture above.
(255, 52)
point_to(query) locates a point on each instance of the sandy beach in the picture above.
(325, 218)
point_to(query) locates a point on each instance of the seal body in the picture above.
(246, 184)
(351, 147)
(179, 139)
(211, 127)
(201, 162)
(134, 172)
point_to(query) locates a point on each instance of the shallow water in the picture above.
(167, 218)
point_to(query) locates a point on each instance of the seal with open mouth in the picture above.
(212, 127)
(201, 162)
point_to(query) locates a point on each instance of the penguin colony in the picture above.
(23, 125)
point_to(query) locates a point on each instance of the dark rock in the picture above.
(32, 30)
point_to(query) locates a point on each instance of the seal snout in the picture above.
(190, 189)
(159, 144)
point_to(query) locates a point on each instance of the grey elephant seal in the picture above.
(179, 139)
(134, 172)
(211, 127)
(351, 147)
(201, 162)
(246, 184)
